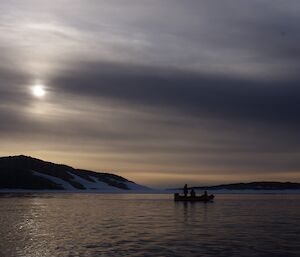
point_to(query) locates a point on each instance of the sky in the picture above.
(162, 92)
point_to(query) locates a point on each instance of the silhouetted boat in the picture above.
(202, 198)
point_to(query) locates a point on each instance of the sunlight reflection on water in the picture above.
(49, 225)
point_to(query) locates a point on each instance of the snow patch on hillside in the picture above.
(97, 185)
(66, 185)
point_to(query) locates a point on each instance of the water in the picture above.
(50, 225)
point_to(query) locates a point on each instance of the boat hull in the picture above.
(201, 198)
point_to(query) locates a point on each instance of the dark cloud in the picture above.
(200, 95)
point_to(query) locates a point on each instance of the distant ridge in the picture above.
(263, 185)
(28, 173)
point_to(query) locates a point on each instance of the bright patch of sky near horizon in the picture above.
(160, 92)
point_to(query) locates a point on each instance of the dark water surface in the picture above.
(50, 225)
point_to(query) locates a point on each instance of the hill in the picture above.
(27, 173)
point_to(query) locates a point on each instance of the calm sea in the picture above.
(50, 225)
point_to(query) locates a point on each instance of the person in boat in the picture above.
(193, 193)
(185, 190)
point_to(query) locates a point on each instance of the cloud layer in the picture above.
(161, 91)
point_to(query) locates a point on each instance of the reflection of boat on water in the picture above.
(202, 198)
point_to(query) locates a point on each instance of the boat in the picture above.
(202, 198)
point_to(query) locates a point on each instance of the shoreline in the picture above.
(164, 192)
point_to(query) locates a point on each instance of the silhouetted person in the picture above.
(193, 193)
(185, 190)
(205, 193)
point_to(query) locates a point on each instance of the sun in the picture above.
(38, 91)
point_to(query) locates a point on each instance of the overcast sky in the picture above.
(161, 92)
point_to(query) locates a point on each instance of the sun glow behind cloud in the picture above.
(39, 91)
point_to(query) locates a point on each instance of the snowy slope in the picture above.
(96, 185)
(26, 173)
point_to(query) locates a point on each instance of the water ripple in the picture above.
(88, 225)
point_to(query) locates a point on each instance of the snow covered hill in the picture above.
(27, 173)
